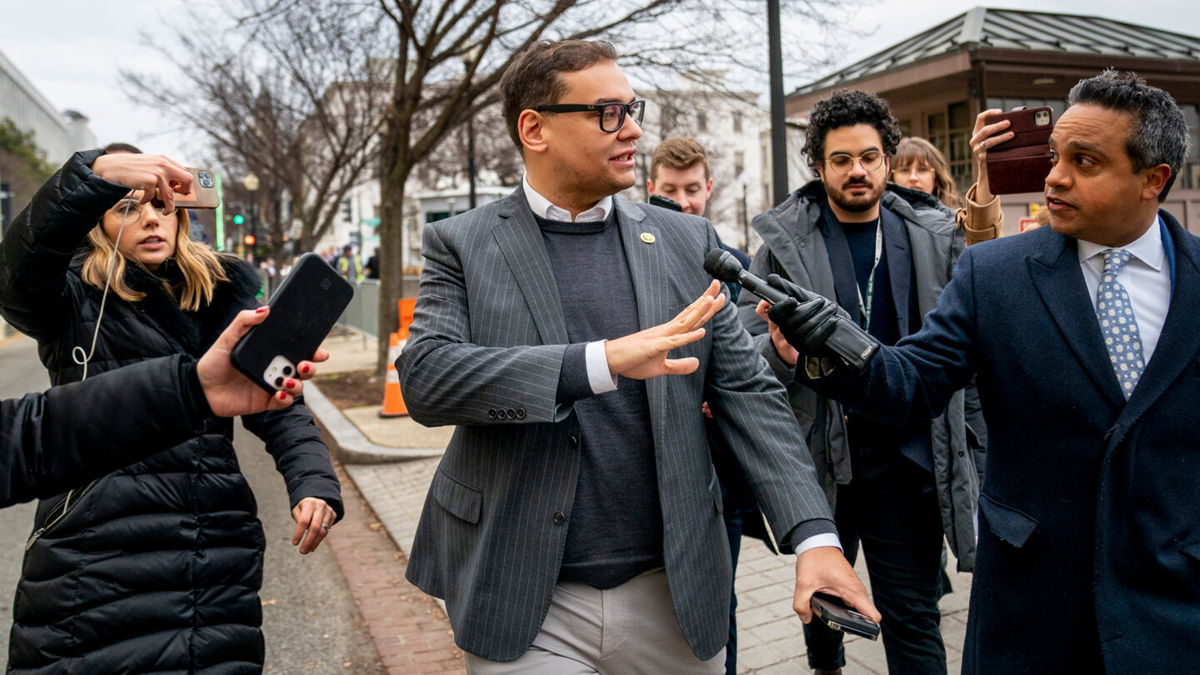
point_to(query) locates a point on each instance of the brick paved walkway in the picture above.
(410, 630)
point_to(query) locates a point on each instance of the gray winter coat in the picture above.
(793, 247)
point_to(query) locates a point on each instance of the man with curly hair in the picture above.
(883, 253)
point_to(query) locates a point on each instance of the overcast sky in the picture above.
(72, 49)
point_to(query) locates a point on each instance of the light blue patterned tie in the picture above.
(1117, 323)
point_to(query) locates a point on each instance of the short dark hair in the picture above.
(679, 153)
(846, 108)
(122, 147)
(532, 79)
(1159, 134)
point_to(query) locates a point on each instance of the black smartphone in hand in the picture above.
(833, 612)
(665, 202)
(303, 310)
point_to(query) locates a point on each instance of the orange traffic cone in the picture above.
(393, 401)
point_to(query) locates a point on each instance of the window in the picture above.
(701, 121)
(737, 123)
(1189, 173)
(1058, 105)
(950, 132)
(739, 163)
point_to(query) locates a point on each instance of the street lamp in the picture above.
(471, 58)
(779, 174)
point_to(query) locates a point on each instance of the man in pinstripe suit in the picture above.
(574, 523)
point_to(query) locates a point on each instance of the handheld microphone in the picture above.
(722, 265)
(848, 341)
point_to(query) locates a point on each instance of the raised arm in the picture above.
(37, 249)
(38, 245)
(980, 216)
(73, 433)
(911, 381)
(448, 378)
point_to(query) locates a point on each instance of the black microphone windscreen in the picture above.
(722, 265)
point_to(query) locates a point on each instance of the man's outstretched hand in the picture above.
(825, 570)
(228, 392)
(643, 354)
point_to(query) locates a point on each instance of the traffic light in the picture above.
(238, 219)
(248, 239)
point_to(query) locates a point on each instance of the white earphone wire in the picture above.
(77, 354)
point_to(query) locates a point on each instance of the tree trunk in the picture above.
(392, 246)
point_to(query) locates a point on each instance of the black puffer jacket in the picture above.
(41, 454)
(155, 567)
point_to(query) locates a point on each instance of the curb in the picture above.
(351, 446)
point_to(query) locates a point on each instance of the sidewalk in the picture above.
(392, 461)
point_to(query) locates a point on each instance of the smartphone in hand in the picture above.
(1021, 163)
(203, 194)
(831, 611)
(665, 202)
(303, 310)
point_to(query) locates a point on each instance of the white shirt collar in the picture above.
(544, 208)
(1147, 248)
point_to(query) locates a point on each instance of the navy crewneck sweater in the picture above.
(615, 529)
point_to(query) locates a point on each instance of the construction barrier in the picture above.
(393, 400)
(406, 307)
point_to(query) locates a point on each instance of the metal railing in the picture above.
(363, 312)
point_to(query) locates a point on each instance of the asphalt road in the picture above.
(309, 618)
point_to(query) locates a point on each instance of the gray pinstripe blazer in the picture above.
(484, 353)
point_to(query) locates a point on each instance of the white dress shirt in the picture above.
(543, 208)
(1146, 277)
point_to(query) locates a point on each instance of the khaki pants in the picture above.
(628, 629)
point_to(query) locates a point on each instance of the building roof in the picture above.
(983, 27)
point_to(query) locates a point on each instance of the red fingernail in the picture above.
(281, 396)
(260, 310)
(305, 368)
(290, 384)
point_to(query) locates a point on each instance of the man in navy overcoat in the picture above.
(1085, 339)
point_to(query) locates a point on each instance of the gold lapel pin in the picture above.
(647, 238)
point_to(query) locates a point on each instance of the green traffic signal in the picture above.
(238, 219)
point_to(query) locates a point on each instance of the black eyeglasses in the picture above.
(611, 115)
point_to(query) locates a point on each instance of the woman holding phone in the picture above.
(157, 566)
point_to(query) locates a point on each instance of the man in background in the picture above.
(348, 265)
(883, 253)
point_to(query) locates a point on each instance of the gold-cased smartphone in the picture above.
(204, 191)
